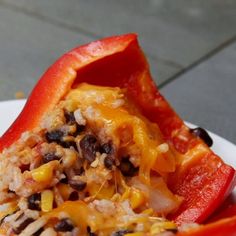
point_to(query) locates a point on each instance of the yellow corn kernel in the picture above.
(169, 225)
(47, 200)
(43, 174)
(101, 192)
(155, 229)
(135, 234)
(137, 198)
(126, 194)
(148, 211)
(162, 226)
(65, 190)
(116, 197)
(71, 105)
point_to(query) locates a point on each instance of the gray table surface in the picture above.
(191, 46)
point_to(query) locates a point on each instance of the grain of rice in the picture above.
(79, 118)
(105, 206)
(95, 163)
(34, 227)
(117, 103)
(163, 148)
(23, 204)
(49, 232)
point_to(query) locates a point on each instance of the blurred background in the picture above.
(190, 44)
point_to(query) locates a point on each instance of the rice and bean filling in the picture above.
(72, 159)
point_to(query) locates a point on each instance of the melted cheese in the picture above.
(112, 116)
(77, 211)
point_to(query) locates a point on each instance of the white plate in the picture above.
(225, 149)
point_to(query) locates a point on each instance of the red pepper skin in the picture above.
(203, 192)
(119, 61)
(224, 227)
(226, 210)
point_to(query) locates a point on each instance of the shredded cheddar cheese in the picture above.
(124, 124)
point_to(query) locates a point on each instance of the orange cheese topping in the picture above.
(111, 115)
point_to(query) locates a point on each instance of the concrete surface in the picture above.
(206, 95)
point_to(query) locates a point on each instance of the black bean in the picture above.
(68, 144)
(79, 171)
(10, 191)
(107, 148)
(78, 185)
(34, 202)
(90, 233)
(202, 133)
(89, 146)
(122, 232)
(23, 225)
(64, 225)
(54, 136)
(79, 129)
(50, 157)
(109, 162)
(24, 167)
(64, 180)
(70, 118)
(172, 230)
(74, 196)
(38, 232)
(127, 168)
(57, 136)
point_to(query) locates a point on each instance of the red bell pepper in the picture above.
(226, 210)
(204, 180)
(224, 227)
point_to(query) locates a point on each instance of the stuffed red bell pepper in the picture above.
(97, 150)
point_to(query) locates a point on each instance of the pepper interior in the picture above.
(95, 166)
